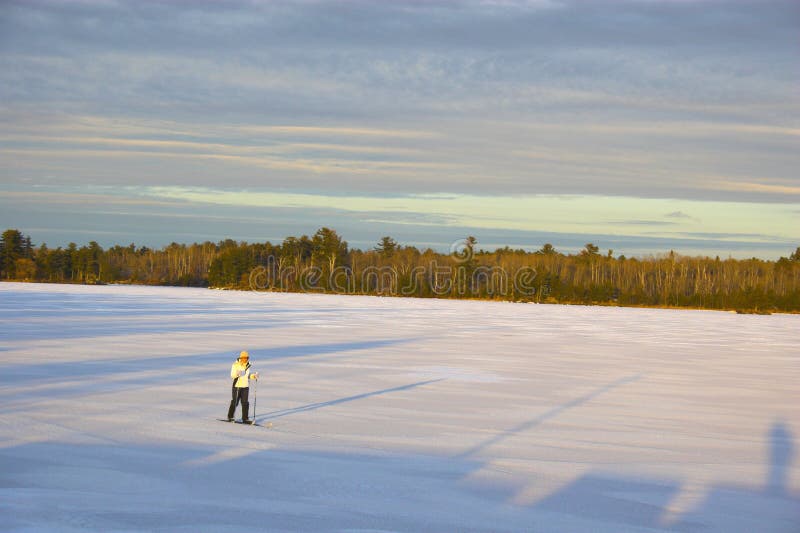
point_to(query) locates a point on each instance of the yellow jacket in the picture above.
(242, 371)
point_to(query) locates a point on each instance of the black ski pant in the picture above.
(239, 394)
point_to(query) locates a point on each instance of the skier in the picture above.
(241, 375)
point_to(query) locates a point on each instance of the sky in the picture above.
(641, 126)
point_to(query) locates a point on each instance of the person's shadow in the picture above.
(781, 452)
(773, 509)
(627, 503)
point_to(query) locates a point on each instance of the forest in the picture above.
(324, 262)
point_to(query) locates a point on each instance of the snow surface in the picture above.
(391, 415)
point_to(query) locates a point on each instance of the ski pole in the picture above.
(255, 399)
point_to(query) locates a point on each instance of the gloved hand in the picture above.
(254, 376)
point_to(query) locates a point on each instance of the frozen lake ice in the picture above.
(391, 414)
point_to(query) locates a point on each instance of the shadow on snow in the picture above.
(73, 378)
(142, 487)
(320, 405)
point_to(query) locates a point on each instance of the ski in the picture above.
(267, 425)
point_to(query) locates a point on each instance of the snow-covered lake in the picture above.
(392, 415)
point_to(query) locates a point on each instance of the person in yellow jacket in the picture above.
(241, 376)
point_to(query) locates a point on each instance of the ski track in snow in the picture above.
(392, 414)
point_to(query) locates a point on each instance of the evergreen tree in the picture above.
(328, 248)
(386, 247)
(11, 249)
(590, 250)
(547, 249)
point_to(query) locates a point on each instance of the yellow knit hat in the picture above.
(244, 355)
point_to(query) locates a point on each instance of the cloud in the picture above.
(306, 56)
(677, 214)
(64, 198)
(64, 221)
(258, 153)
(241, 25)
(627, 98)
(328, 167)
(157, 216)
(738, 237)
(333, 131)
(680, 215)
(727, 185)
(641, 222)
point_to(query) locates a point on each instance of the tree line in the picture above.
(324, 262)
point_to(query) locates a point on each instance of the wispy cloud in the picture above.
(206, 147)
(490, 103)
(738, 186)
(642, 222)
(159, 216)
(317, 166)
(68, 198)
(338, 132)
(682, 217)
(677, 214)
(739, 237)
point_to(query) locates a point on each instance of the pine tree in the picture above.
(547, 249)
(11, 249)
(386, 247)
(329, 248)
